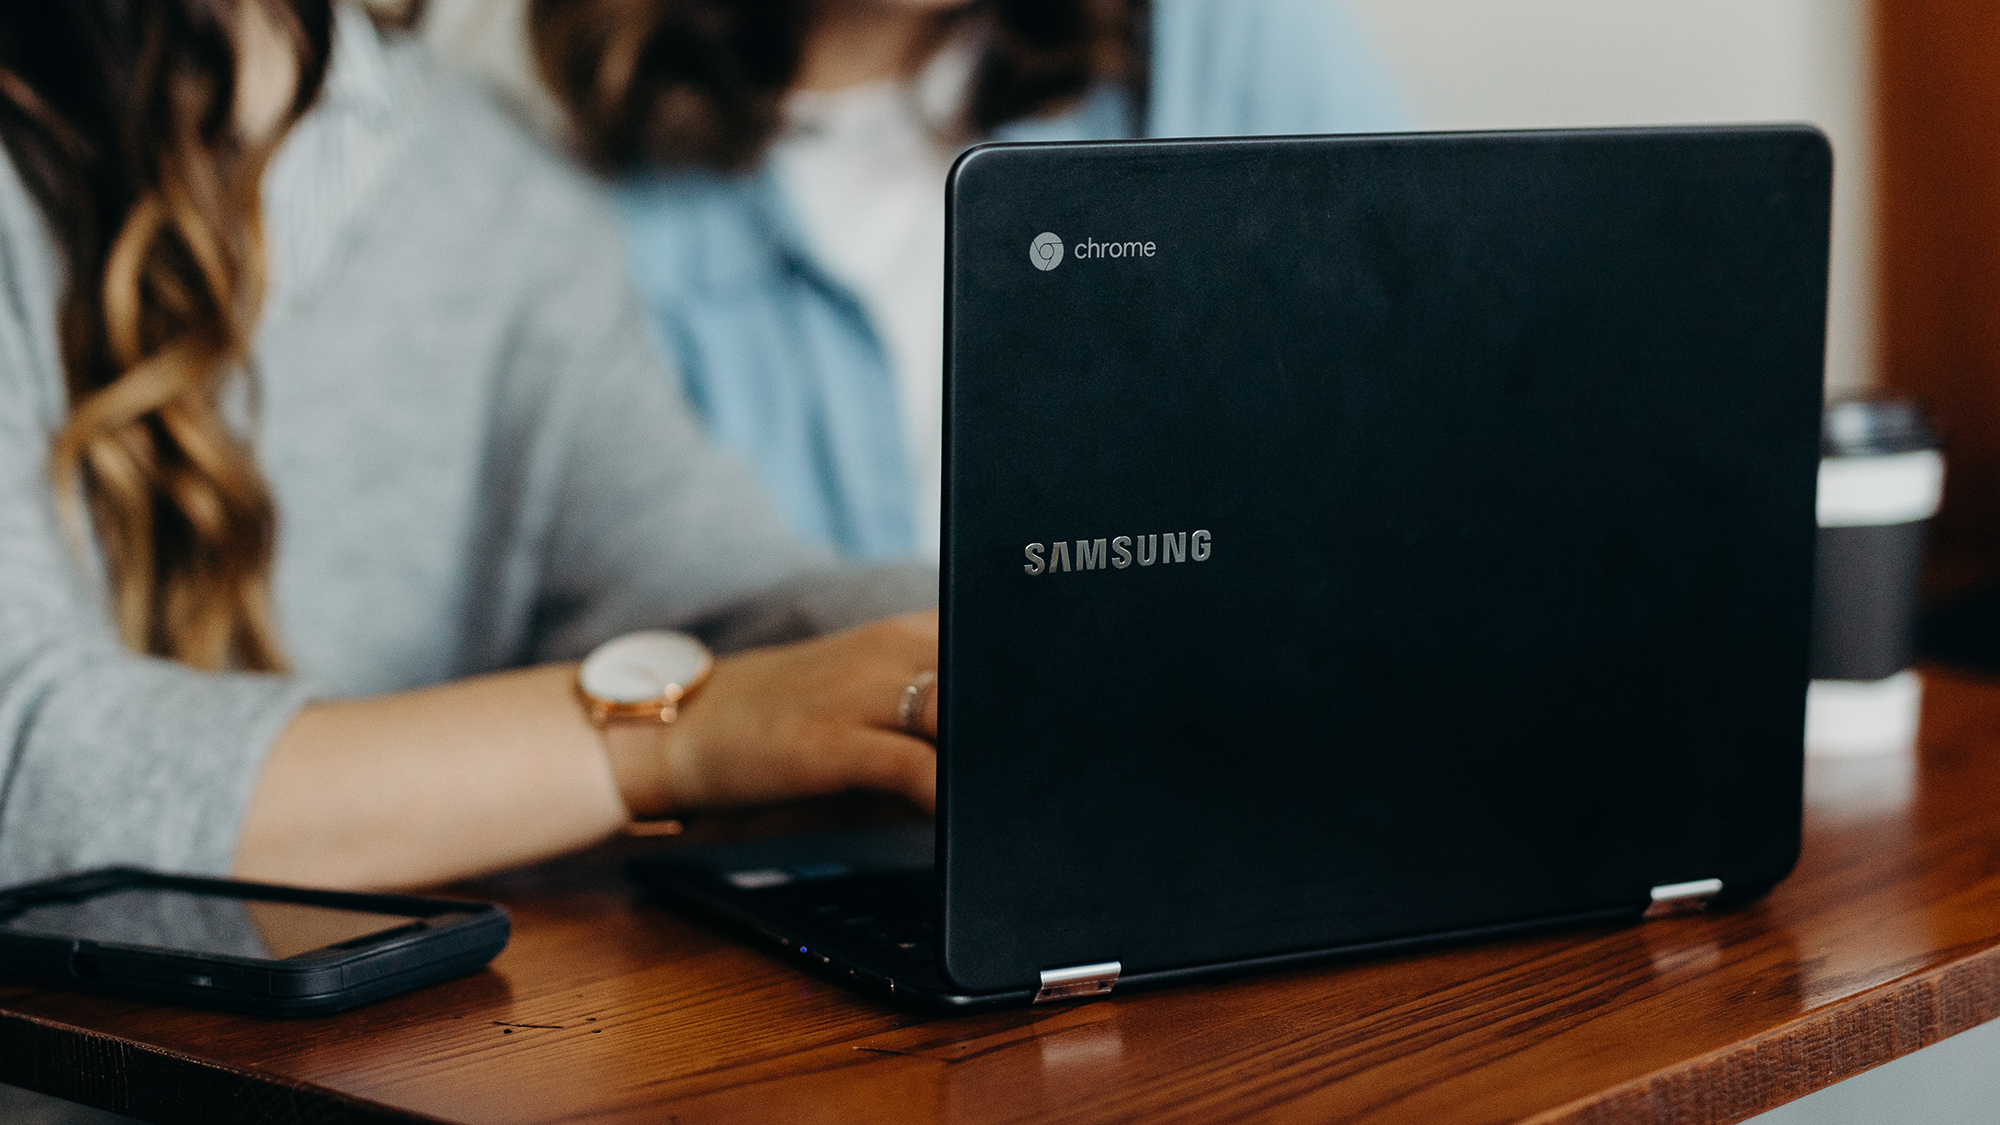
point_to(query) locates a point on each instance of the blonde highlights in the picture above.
(181, 514)
(157, 319)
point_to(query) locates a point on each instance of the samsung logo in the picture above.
(1117, 553)
(1046, 251)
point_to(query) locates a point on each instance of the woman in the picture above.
(782, 165)
(248, 532)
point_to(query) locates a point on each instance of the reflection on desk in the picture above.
(607, 1008)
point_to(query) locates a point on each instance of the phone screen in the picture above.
(207, 924)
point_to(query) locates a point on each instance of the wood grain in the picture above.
(608, 1009)
(1937, 114)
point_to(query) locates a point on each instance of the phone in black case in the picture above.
(224, 943)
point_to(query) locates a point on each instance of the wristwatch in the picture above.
(632, 688)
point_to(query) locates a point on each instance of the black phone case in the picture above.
(323, 981)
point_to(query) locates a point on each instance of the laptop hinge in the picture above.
(1682, 898)
(1078, 982)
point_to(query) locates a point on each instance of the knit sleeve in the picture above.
(650, 521)
(105, 756)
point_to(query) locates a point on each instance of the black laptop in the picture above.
(1350, 543)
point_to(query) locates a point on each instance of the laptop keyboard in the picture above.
(892, 912)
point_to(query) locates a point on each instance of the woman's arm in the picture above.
(617, 517)
(613, 510)
(426, 786)
(106, 757)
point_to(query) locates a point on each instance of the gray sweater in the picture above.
(478, 462)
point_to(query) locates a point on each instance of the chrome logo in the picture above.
(1046, 251)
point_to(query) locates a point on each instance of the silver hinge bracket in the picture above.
(1079, 982)
(1682, 898)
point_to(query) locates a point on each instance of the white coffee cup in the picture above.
(1880, 480)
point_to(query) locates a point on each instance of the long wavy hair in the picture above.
(119, 116)
(677, 83)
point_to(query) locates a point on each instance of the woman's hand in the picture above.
(424, 786)
(810, 718)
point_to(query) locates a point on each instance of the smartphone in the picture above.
(250, 947)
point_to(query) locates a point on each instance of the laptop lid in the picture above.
(1358, 538)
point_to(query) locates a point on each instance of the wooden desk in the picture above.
(1886, 939)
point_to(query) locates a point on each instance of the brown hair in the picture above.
(119, 116)
(701, 82)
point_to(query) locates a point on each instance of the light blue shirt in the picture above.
(781, 359)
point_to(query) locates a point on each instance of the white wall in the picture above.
(1484, 64)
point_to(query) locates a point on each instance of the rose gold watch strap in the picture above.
(637, 749)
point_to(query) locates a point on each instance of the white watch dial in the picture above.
(642, 667)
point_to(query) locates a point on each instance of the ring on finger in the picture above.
(910, 707)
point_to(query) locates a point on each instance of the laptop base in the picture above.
(777, 893)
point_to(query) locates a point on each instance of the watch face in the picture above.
(643, 667)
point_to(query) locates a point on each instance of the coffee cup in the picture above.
(1880, 480)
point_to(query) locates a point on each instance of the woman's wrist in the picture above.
(633, 688)
(851, 710)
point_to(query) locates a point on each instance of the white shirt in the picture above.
(865, 167)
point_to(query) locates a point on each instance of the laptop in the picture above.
(1350, 544)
